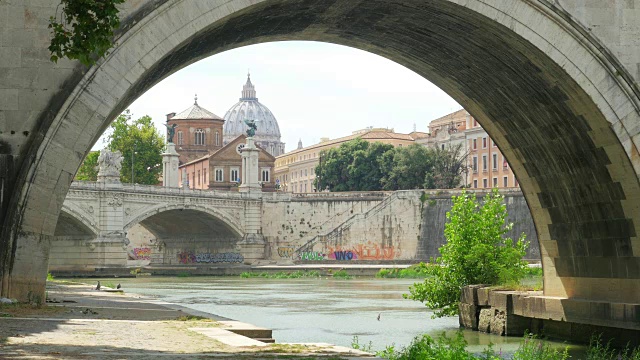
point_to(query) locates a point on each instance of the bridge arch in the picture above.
(72, 221)
(561, 108)
(232, 226)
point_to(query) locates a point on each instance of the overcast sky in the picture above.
(314, 90)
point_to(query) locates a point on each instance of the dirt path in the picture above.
(87, 324)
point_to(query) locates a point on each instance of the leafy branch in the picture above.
(84, 30)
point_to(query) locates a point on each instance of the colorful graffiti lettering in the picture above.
(187, 257)
(342, 255)
(313, 255)
(286, 252)
(142, 253)
(368, 251)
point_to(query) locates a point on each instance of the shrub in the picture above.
(342, 274)
(416, 271)
(476, 252)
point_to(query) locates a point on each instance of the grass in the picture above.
(342, 274)
(193, 318)
(183, 274)
(281, 275)
(417, 271)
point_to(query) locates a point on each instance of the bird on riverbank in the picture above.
(118, 286)
(379, 316)
(98, 286)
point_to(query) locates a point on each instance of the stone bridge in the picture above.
(554, 83)
(96, 218)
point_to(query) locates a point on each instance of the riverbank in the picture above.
(80, 322)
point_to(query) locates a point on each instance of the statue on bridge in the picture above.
(109, 165)
(171, 131)
(251, 131)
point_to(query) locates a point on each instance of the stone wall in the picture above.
(438, 203)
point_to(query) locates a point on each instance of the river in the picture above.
(313, 310)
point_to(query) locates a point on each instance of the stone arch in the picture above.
(560, 107)
(78, 216)
(147, 212)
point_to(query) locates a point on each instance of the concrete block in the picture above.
(498, 322)
(483, 296)
(468, 316)
(484, 320)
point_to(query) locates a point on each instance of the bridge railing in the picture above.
(152, 189)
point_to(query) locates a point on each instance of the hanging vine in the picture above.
(84, 30)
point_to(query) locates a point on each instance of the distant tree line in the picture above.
(359, 165)
(140, 144)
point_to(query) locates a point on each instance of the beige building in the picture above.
(486, 166)
(295, 170)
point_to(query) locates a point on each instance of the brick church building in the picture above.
(210, 146)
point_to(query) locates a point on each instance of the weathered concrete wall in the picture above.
(439, 202)
(291, 220)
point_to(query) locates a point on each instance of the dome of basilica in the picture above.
(268, 132)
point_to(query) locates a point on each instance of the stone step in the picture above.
(266, 340)
(248, 330)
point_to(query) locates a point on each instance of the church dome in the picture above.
(268, 132)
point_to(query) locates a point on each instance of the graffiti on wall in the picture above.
(365, 251)
(312, 255)
(142, 253)
(286, 252)
(188, 257)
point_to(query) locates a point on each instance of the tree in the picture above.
(84, 31)
(88, 171)
(333, 170)
(140, 139)
(410, 166)
(365, 171)
(476, 252)
(447, 169)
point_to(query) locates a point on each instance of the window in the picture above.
(475, 144)
(505, 181)
(495, 182)
(475, 123)
(442, 146)
(199, 177)
(193, 180)
(217, 139)
(219, 175)
(484, 183)
(180, 138)
(306, 172)
(235, 174)
(484, 163)
(204, 176)
(475, 184)
(495, 162)
(199, 137)
(305, 187)
(265, 175)
(484, 142)
(505, 164)
(493, 143)
(475, 164)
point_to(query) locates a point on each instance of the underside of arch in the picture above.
(577, 176)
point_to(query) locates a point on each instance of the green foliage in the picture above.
(442, 348)
(533, 348)
(88, 171)
(139, 136)
(355, 343)
(476, 252)
(183, 274)
(416, 271)
(84, 30)
(358, 165)
(282, 275)
(342, 274)
(599, 351)
(50, 277)
(447, 167)
(408, 168)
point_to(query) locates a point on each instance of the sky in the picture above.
(314, 90)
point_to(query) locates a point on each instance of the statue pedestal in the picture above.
(170, 166)
(250, 179)
(109, 164)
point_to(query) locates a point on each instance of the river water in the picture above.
(313, 310)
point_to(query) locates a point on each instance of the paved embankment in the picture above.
(82, 323)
